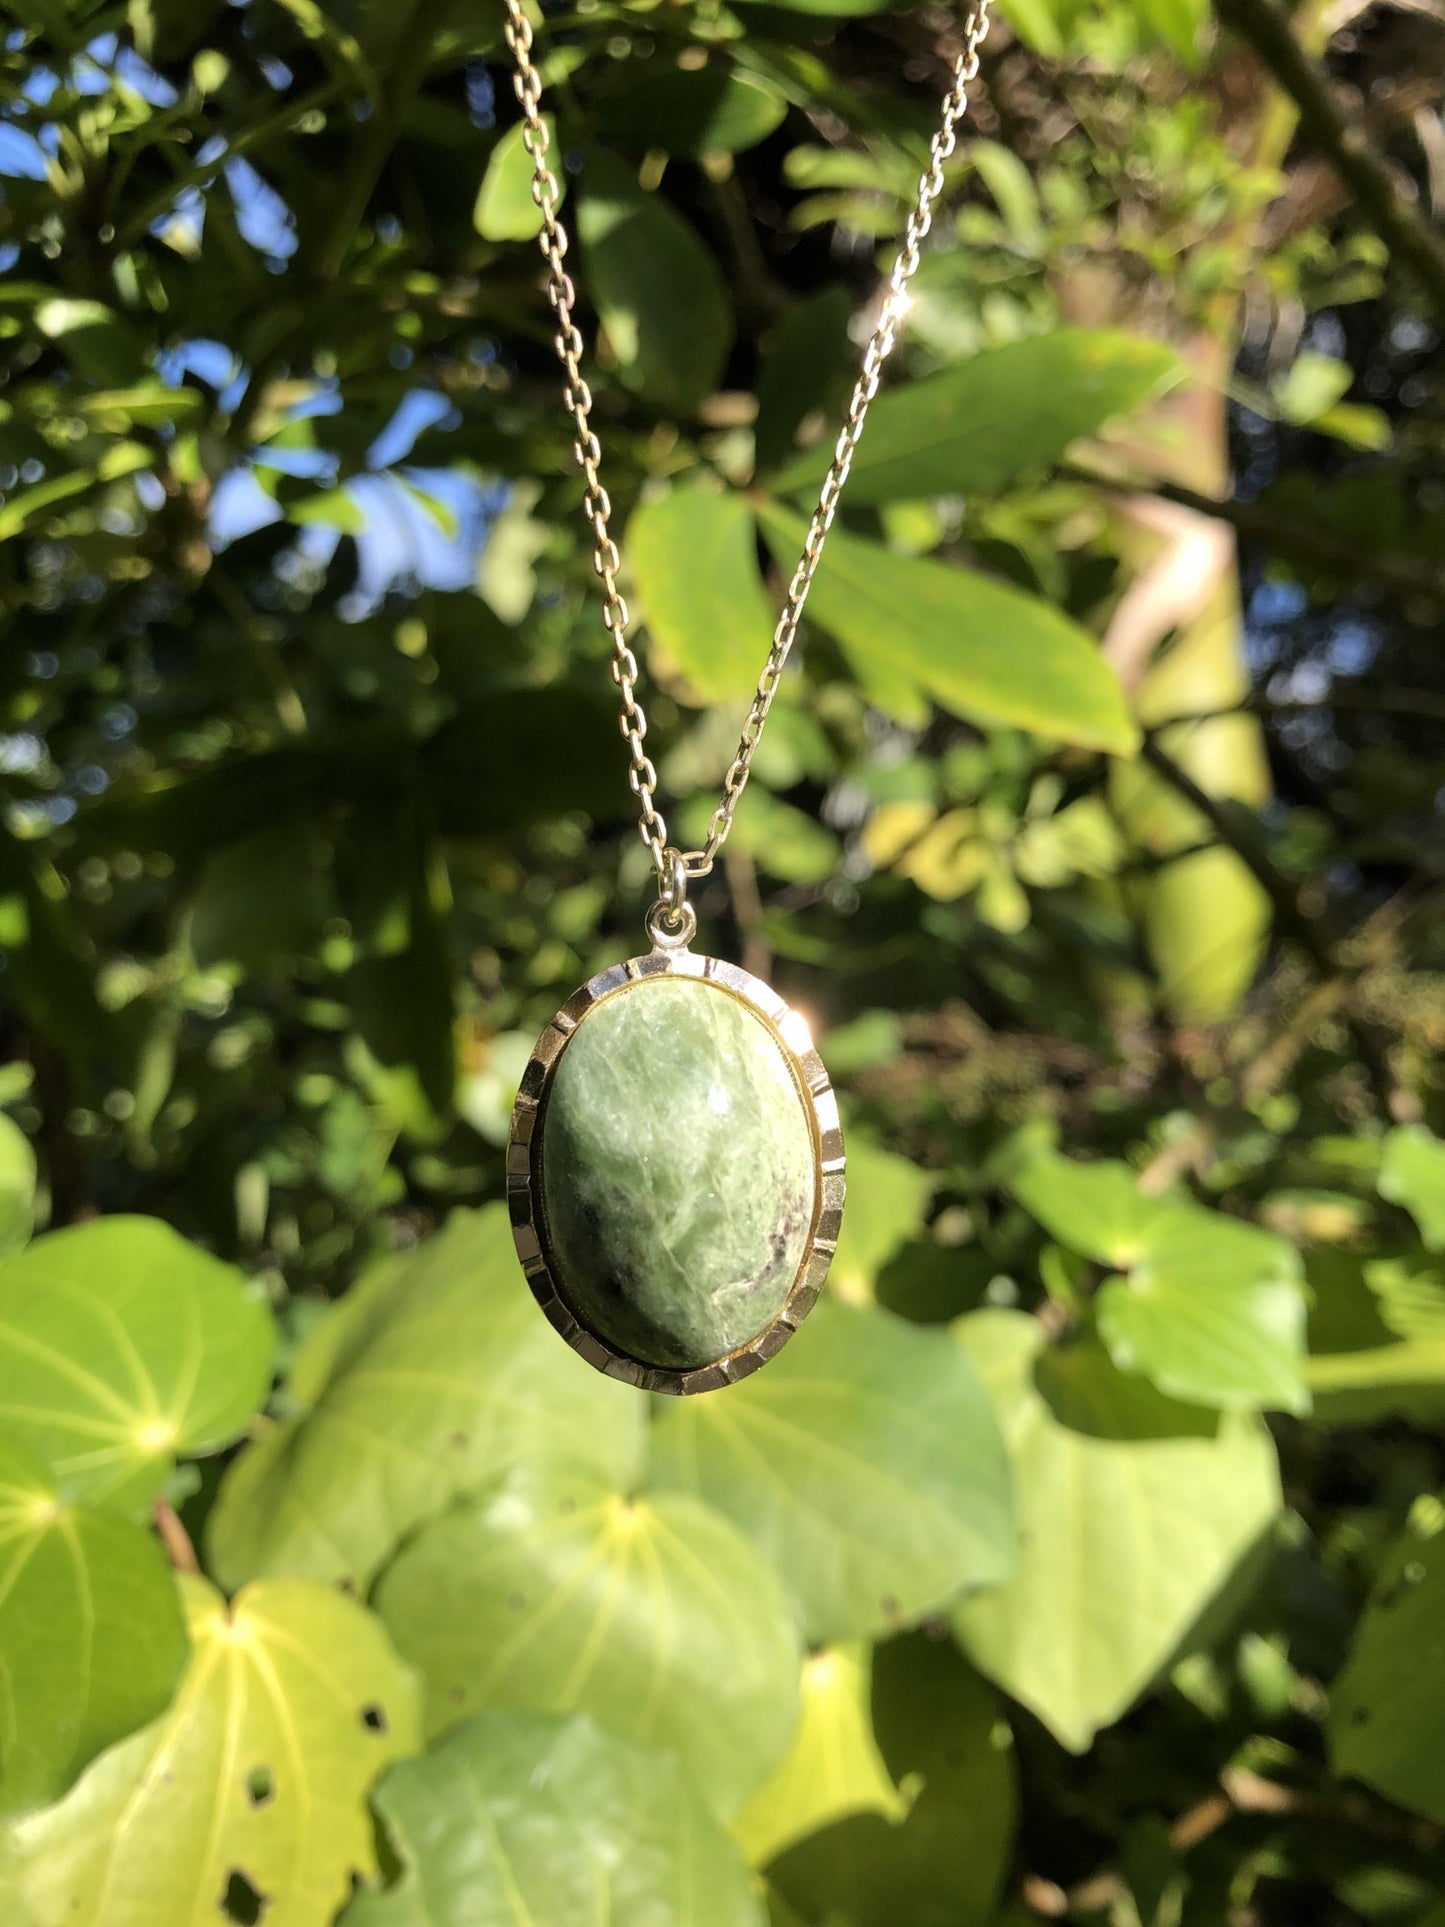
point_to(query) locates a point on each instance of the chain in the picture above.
(674, 867)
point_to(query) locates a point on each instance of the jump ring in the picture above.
(671, 929)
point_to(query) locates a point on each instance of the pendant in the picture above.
(675, 1169)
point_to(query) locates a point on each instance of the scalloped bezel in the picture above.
(524, 1191)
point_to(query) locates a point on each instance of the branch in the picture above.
(1331, 551)
(1235, 831)
(1265, 25)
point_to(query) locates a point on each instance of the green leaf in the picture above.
(1412, 1174)
(887, 1197)
(694, 558)
(505, 210)
(435, 1376)
(98, 343)
(518, 1817)
(1179, 23)
(292, 1704)
(1385, 1707)
(807, 370)
(865, 1465)
(1006, 412)
(704, 110)
(1312, 386)
(981, 649)
(554, 1593)
(120, 1346)
(1134, 1514)
(942, 1741)
(1017, 198)
(833, 1769)
(91, 1635)
(1095, 1209)
(17, 1186)
(331, 508)
(659, 292)
(1036, 24)
(1213, 1310)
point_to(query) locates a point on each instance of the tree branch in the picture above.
(1234, 830)
(1266, 27)
(1406, 574)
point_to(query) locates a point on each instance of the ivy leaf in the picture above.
(941, 1740)
(1412, 1174)
(833, 1769)
(887, 1197)
(694, 558)
(1134, 1513)
(554, 1593)
(1385, 1707)
(1006, 411)
(865, 1465)
(17, 1186)
(120, 1346)
(250, 1792)
(91, 1634)
(432, 1378)
(522, 1817)
(658, 290)
(1213, 1310)
(980, 649)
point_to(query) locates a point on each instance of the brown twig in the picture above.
(174, 1538)
(1235, 830)
(1266, 27)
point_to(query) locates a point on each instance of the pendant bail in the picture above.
(672, 921)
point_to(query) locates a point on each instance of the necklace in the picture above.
(675, 1168)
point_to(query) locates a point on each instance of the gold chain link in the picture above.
(673, 866)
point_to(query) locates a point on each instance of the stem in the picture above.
(174, 1538)
(1267, 28)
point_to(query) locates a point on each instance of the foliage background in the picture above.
(1082, 1561)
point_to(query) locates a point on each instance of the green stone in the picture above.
(678, 1173)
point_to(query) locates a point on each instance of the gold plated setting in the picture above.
(524, 1191)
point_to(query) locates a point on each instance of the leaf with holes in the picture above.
(248, 1799)
(122, 1345)
(694, 559)
(434, 1376)
(524, 1817)
(981, 649)
(1008, 410)
(866, 1465)
(833, 1768)
(1134, 1514)
(1385, 1706)
(91, 1634)
(555, 1594)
